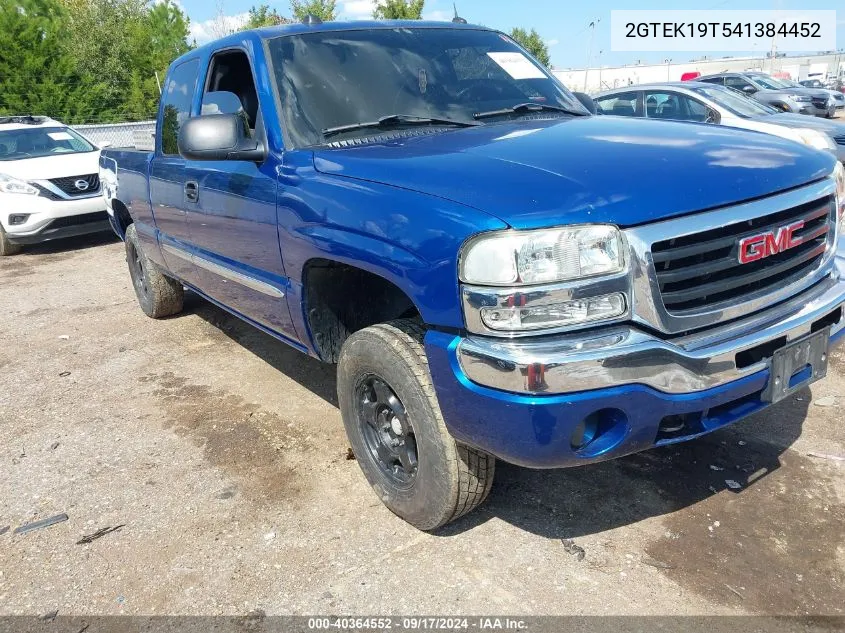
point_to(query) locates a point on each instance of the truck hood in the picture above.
(47, 167)
(532, 173)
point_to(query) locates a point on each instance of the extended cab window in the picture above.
(177, 98)
(624, 104)
(336, 78)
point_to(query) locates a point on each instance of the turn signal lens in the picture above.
(542, 317)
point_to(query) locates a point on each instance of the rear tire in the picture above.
(6, 247)
(158, 295)
(397, 431)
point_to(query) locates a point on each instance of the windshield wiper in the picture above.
(523, 108)
(392, 120)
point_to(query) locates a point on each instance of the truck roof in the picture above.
(270, 32)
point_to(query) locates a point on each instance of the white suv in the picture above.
(49, 183)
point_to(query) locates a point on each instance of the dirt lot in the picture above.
(223, 454)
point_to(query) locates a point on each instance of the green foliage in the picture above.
(399, 10)
(83, 61)
(533, 43)
(33, 77)
(263, 15)
(323, 9)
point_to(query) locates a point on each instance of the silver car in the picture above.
(705, 103)
(838, 97)
(766, 89)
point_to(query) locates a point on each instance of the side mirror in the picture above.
(713, 117)
(219, 137)
(749, 90)
(586, 101)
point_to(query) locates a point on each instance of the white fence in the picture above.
(139, 134)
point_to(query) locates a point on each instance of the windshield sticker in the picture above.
(517, 65)
(60, 136)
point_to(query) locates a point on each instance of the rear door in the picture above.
(167, 170)
(232, 219)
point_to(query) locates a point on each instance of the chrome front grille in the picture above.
(703, 270)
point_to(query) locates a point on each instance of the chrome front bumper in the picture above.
(623, 355)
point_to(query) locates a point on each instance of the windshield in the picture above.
(339, 78)
(734, 101)
(41, 141)
(770, 83)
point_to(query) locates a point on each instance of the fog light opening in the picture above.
(599, 432)
(18, 219)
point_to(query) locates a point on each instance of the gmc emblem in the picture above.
(756, 247)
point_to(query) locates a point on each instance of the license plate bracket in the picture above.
(796, 365)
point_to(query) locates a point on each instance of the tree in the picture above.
(37, 75)
(87, 61)
(533, 43)
(323, 9)
(399, 10)
(263, 15)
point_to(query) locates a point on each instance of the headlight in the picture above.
(801, 98)
(839, 178)
(816, 139)
(13, 185)
(517, 258)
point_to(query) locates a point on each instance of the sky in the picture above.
(562, 24)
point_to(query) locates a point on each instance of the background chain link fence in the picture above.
(138, 134)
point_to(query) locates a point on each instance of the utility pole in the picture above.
(600, 52)
(592, 27)
(774, 53)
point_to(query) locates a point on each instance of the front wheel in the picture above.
(158, 295)
(396, 429)
(6, 247)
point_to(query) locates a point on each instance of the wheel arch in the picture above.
(339, 299)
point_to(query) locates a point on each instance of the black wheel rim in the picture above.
(136, 267)
(387, 431)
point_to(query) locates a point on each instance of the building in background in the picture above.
(823, 67)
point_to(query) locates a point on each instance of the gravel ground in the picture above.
(222, 454)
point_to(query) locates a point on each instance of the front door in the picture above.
(233, 218)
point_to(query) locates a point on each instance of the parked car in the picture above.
(768, 90)
(496, 273)
(836, 95)
(700, 102)
(812, 83)
(49, 183)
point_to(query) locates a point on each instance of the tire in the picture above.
(158, 295)
(446, 479)
(6, 247)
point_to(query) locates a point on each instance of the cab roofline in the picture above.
(297, 28)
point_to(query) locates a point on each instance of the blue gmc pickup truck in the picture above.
(495, 272)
